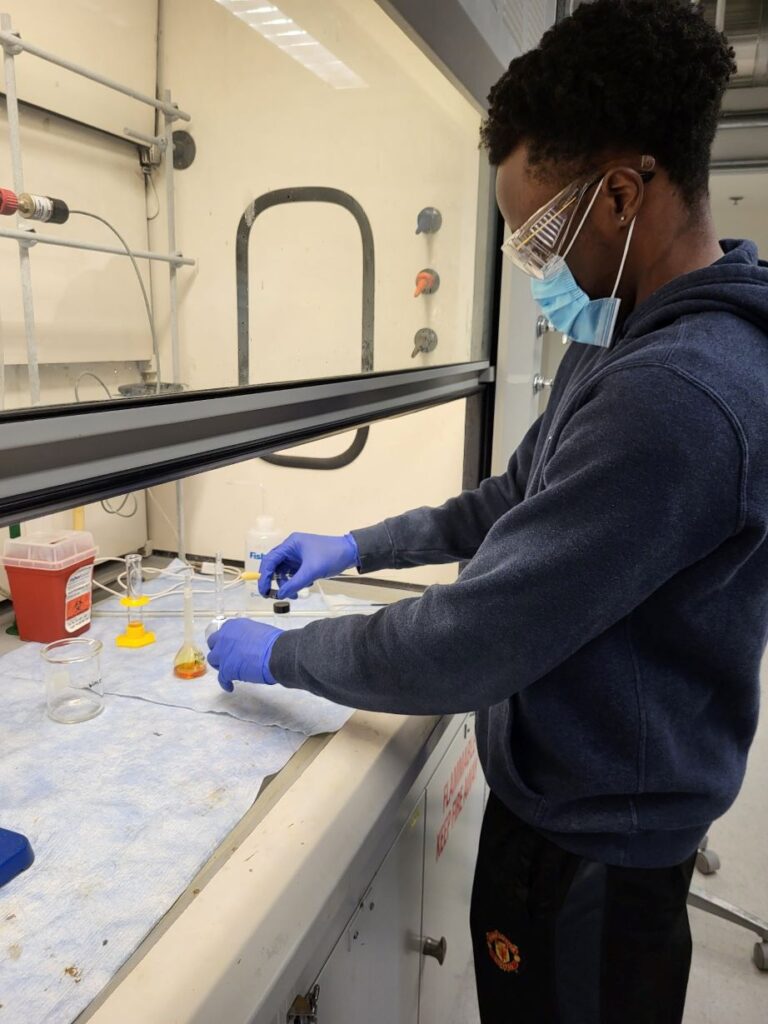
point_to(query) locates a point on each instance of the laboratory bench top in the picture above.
(280, 887)
(283, 883)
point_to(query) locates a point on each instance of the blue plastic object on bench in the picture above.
(15, 855)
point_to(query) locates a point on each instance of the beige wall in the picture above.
(111, 37)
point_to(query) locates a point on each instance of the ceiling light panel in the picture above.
(283, 32)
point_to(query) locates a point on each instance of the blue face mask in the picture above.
(568, 307)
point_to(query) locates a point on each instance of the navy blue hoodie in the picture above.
(610, 623)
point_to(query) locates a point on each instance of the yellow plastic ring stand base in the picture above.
(135, 634)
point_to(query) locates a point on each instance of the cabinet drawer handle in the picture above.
(436, 948)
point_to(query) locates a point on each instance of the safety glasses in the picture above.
(535, 246)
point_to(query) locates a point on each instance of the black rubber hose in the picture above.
(332, 462)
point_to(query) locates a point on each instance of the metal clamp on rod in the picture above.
(11, 43)
(28, 241)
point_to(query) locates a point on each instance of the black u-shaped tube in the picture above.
(306, 194)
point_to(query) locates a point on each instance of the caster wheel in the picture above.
(760, 956)
(707, 862)
(703, 844)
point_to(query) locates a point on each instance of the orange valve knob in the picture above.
(427, 282)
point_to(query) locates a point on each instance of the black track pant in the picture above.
(559, 939)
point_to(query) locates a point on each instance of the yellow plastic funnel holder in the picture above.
(135, 634)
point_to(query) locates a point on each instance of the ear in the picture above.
(624, 187)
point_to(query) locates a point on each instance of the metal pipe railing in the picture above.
(745, 120)
(14, 140)
(757, 163)
(31, 238)
(15, 44)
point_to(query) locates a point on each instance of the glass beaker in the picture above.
(73, 686)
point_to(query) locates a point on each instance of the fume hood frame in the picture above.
(52, 458)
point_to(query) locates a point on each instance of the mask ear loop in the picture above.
(624, 257)
(575, 235)
(590, 204)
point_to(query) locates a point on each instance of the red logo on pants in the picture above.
(504, 953)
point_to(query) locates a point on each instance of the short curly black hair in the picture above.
(646, 75)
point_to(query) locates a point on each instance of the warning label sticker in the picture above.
(77, 610)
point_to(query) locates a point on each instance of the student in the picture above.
(609, 626)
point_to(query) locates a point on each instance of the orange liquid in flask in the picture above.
(190, 668)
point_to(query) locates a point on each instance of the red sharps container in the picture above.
(51, 580)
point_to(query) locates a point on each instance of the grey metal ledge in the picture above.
(56, 458)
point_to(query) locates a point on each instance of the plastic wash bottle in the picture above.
(258, 541)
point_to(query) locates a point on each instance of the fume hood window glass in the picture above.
(328, 192)
(407, 461)
(333, 257)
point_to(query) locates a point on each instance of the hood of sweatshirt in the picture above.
(737, 283)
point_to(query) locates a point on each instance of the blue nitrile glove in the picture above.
(306, 557)
(241, 650)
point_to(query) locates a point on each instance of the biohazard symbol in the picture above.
(504, 953)
(77, 606)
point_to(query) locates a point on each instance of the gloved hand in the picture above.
(241, 650)
(306, 557)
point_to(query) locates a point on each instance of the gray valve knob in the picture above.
(428, 221)
(424, 340)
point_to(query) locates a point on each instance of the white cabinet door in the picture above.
(372, 975)
(455, 800)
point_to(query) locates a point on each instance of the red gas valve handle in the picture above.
(427, 282)
(9, 202)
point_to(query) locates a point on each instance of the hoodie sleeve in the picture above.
(647, 478)
(454, 531)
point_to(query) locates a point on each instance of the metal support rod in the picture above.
(28, 238)
(181, 524)
(746, 164)
(14, 136)
(743, 121)
(2, 368)
(170, 212)
(170, 202)
(10, 40)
